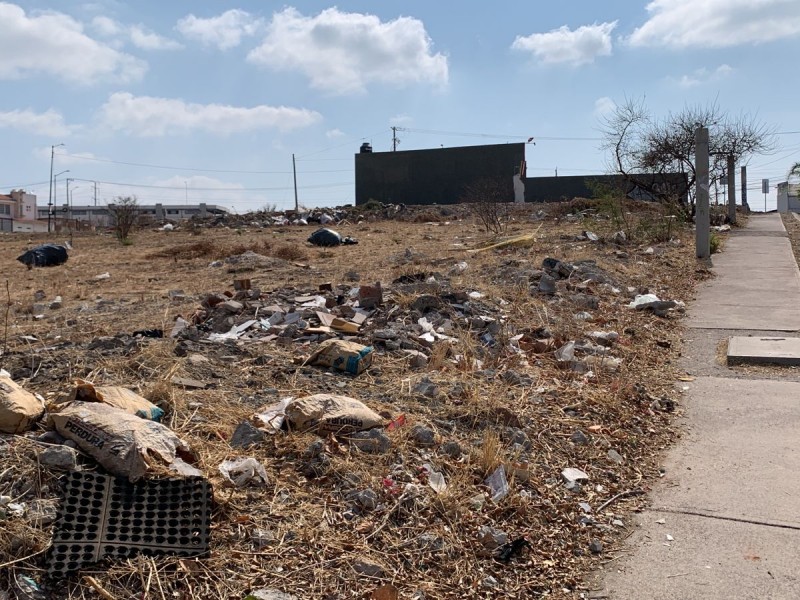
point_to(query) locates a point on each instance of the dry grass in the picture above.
(317, 533)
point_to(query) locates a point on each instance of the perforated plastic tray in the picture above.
(109, 517)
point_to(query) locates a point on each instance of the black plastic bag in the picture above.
(46, 255)
(325, 237)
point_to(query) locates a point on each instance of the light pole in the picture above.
(55, 185)
(50, 198)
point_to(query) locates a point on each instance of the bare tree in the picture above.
(488, 200)
(640, 144)
(125, 214)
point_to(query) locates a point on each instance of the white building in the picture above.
(788, 197)
(100, 216)
(18, 213)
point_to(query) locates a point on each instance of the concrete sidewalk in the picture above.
(730, 499)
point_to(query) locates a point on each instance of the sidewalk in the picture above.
(730, 499)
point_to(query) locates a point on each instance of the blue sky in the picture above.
(216, 96)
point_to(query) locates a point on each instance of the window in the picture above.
(5, 209)
(173, 212)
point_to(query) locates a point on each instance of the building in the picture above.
(18, 213)
(445, 175)
(788, 197)
(101, 216)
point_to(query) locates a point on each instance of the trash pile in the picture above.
(470, 426)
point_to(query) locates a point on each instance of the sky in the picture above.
(207, 101)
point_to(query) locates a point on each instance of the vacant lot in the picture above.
(333, 521)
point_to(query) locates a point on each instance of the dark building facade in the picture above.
(435, 176)
(441, 176)
(639, 187)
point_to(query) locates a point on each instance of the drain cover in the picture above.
(109, 517)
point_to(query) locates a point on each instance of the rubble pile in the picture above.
(466, 427)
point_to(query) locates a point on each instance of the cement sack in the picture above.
(126, 445)
(326, 413)
(19, 409)
(118, 397)
(344, 356)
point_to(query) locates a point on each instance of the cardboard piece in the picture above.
(126, 445)
(118, 397)
(327, 413)
(19, 409)
(345, 356)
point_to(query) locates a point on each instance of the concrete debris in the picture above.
(58, 457)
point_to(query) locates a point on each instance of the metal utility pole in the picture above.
(294, 174)
(702, 217)
(731, 189)
(186, 197)
(50, 197)
(394, 139)
(95, 193)
(744, 190)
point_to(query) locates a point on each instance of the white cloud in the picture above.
(106, 26)
(717, 23)
(138, 35)
(562, 45)
(604, 106)
(49, 123)
(147, 116)
(703, 75)
(401, 119)
(334, 133)
(223, 31)
(54, 44)
(147, 40)
(342, 52)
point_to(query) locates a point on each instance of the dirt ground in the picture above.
(502, 405)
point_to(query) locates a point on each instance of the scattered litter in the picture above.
(329, 237)
(118, 397)
(350, 357)
(126, 445)
(102, 276)
(498, 484)
(19, 409)
(327, 413)
(242, 472)
(46, 255)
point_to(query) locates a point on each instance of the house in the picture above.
(101, 216)
(18, 213)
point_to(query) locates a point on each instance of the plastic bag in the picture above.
(46, 255)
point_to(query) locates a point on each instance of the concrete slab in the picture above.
(708, 558)
(757, 283)
(763, 350)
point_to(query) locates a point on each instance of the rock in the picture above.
(574, 475)
(615, 457)
(619, 238)
(423, 436)
(417, 359)
(518, 437)
(489, 582)
(58, 457)
(385, 334)
(368, 568)
(574, 487)
(271, 594)
(71, 444)
(596, 546)
(547, 285)
(56, 303)
(232, 306)
(246, 434)
(51, 437)
(586, 301)
(39, 295)
(366, 499)
(426, 388)
(452, 449)
(352, 276)
(261, 538)
(430, 542)
(426, 303)
(579, 438)
(492, 538)
(617, 523)
(373, 441)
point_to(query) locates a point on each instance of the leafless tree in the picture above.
(489, 201)
(639, 143)
(125, 214)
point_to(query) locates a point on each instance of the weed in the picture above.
(290, 252)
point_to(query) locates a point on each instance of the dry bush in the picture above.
(290, 252)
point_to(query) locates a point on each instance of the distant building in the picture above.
(18, 212)
(443, 176)
(788, 197)
(100, 216)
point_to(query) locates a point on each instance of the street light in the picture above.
(55, 185)
(50, 198)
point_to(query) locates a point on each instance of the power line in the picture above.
(200, 189)
(173, 168)
(500, 136)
